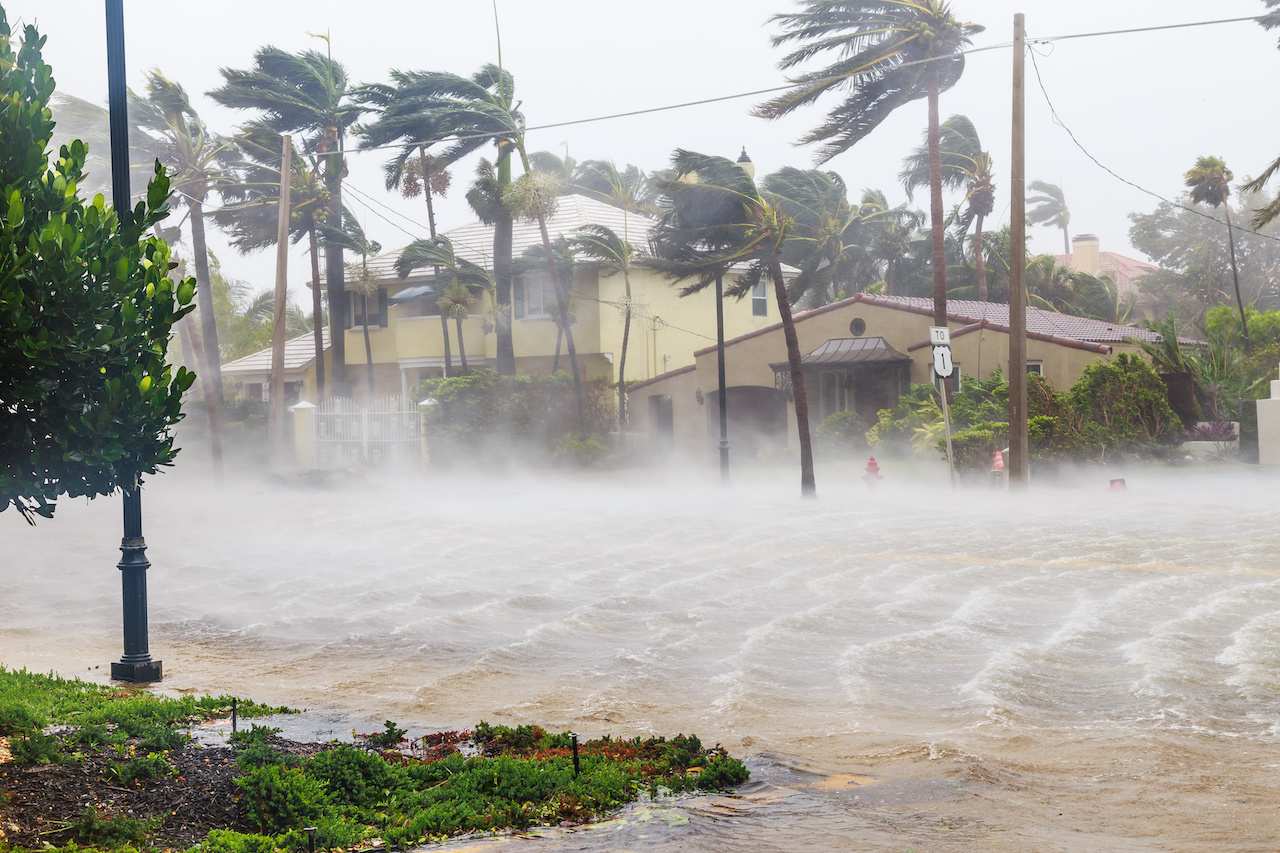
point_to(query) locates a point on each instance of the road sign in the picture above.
(942, 361)
(940, 336)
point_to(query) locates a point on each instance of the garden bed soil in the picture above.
(38, 804)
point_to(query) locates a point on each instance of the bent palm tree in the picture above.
(305, 93)
(612, 255)
(891, 52)
(964, 166)
(717, 219)
(466, 282)
(1210, 183)
(251, 215)
(1049, 207)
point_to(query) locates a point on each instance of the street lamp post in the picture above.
(135, 665)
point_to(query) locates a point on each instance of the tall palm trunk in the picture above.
(562, 303)
(317, 310)
(444, 331)
(622, 371)
(808, 488)
(502, 248)
(208, 320)
(368, 349)
(206, 387)
(334, 271)
(462, 346)
(979, 258)
(936, 223)
(1235, 276)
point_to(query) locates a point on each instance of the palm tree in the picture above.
(306, 93)
(717, 219)
(1049, 207)
(890, 52)
(467, 281)
(251, 216)
(601, 179)
(364, 280)
(472, 112)
(612, 255)
(1210, 183)
(831, 239)
(964, 166)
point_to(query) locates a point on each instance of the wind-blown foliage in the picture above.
(465, 284)
(717, 219)
(87, 400)
(1049, 207)
(1210, 183)
(306, 93)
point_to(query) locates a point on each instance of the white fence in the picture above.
(344, 435)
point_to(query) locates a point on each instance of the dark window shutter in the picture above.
(517, 296)
(382, 307)
(346, 310)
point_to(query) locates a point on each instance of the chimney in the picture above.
(1084, 254)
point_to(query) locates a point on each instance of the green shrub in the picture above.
(114, 831)
(281, 798)
(352, 776)
(141, 767)
(263, 754)
(388, 738)
(1128, 401)
(228, 841)
(254, 734)
(16, 718)
(35, 747)
(843, 431)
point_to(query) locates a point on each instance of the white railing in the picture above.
(345, 435)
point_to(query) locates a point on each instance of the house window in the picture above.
(353, 316)
(534, 296)
(760, 299)
(1036, 367)
(833, 393)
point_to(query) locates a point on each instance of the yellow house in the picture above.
(406, 338)
(859, 355)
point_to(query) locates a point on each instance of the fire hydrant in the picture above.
(873, 474)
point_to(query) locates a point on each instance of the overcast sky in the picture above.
(1144, 104)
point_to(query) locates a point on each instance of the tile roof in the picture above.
(299, 354)
(1126, 271)
(1064, 329)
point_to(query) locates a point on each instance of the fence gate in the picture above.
(344, 435)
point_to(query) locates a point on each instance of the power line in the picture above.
(1058, 121)
(1145, 29)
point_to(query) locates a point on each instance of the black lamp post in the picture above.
(135, 665)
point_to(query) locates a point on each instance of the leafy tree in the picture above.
(1049, 207)
(364, 280)
(717, 219)
(455, 295)
(965, 165)
(890, 52)
(1268, 212)
(612, 255)
(87, 400)
(306, 93)
(1210, 183)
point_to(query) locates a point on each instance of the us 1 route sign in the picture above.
(940, 337)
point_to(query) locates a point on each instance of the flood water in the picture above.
(906, 668)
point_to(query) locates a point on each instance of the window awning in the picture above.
(412, 292)
(851, 352)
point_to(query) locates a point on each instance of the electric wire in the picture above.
(1057, 119)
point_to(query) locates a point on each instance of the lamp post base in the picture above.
(146, 672)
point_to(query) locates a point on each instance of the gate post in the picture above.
(304, 435)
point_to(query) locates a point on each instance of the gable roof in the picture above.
(474, 241)
(299, 354)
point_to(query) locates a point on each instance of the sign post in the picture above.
(940, 337)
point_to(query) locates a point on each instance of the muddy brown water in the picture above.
(905, 668)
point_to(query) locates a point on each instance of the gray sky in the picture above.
(1145, 105)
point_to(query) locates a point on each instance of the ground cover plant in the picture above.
(113, 769)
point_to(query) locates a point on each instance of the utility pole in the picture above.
(275, 417)
(1018, 447)
(723, 393)
(135, 665)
